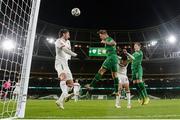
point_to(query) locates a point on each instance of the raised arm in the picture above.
(111, 43)
(62, 46)
(128, 54)
(68, 51)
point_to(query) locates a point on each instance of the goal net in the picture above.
(18, 19)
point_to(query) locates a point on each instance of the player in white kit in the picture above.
(124, 60)
(16, 91)
(76, 90)
(63, 54)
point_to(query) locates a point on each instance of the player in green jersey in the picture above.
(137, 73)
(110, 62)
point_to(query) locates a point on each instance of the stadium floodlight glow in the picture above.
(171, 39)
(76, 46)
(153, 43)
(8, 44)
(50, 40)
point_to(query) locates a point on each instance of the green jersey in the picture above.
(111, 61)
(136, 63)
(110, 49)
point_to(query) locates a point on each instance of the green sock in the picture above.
(116, 83)
(97, 77)
(144, 90)
(141, 87)
(138, 91)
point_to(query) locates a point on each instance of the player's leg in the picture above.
(69, 77)
(142, 86)
(65, 74)
(117, 100)
(15, 92)
(5, 94)
(117, 91)
(135, 83)
(120, 87)
(64, 89)
(14, 96)
(70, 95)
(76, 98)
(69, 83)
(128, 94)
(74, 90)
(141, 95)
(140, 72)
(97, 77)
(105, 66)
(116, 81)
(59, 66)
(114, 67)
(75, 95)
(1, 94)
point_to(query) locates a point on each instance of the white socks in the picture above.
(128, 98)
(61, 98)
(117, 100)
(75, 98)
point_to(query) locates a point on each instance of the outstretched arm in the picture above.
(128, 54)
(68, 51)
(112, 43)
(62, 46)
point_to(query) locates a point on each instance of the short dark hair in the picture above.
(61, 31)
(123, 56)
(137, 43)
(102, 32)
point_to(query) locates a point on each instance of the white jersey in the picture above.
(122, 69)
(61, 62)
(60, 54)
(122, 74)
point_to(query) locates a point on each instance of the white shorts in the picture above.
(61, 66)
(123, 79)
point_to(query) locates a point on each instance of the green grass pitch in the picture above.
(103, 109)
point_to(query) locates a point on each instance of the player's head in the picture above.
(102, 34)
(137, 46)
(69, 83)
(64, 33)
(123, 59)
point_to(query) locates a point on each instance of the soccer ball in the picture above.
(75, 12)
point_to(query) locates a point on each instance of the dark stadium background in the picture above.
(127, 21)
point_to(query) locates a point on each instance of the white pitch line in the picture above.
(113, 117)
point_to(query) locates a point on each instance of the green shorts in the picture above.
(111, 63)
(137, 73)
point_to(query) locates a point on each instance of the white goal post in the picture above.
(18, 21)
(21, 104)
